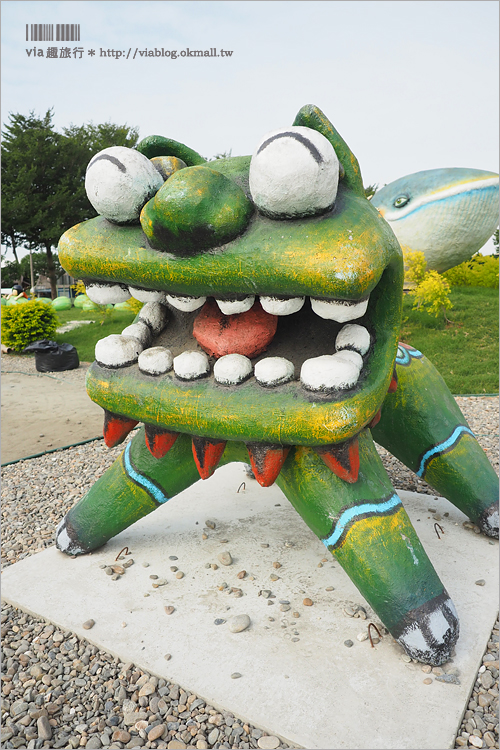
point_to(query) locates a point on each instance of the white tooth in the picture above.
(232, 369)
(235, 306)
(353, 336)
(350, 356)
(328, 372)
(338, 309)
(155, 315)
(146, 295)
(141, 332)
(274, 371)
(186, 304)
(117, 350)
(191, 365)
(277, 306)
(107, 294)
(155, 361)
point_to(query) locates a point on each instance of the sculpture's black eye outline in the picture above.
(401, 201)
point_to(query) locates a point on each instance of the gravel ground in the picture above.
(58, 691)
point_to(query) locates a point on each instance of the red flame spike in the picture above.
(116, 428)
(376, 419)
(266, 461)
(394, 383)
(159, 441)
(207, 454)
(342, 459)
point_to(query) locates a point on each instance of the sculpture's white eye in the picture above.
(294, 172)
(119, 182)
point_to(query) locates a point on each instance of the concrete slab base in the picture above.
(298, 679)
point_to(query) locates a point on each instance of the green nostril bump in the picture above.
(195, 210)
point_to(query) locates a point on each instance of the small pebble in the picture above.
(235, 675)
(145, 565)
(274, 577)
(219, 621)
(349, 643)
(88, 624)
(179, 574)
(481, 582)
(210, 524)
(276, 565)
(153, 577)
(169, 610)
(307, 602)
(362, 637)
(268, 742)
(241, 574)
(214, 566)
(225, 558)
(174, 568)
(330, 588)
(295, 614)
(428, 681)
(427, 668)
(238, 623)
(204, 536)
(173, 557)
(167, 657)
(264, 545)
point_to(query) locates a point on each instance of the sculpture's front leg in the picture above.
(134, 485)
(368, 531)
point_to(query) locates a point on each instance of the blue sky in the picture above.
(409, 85)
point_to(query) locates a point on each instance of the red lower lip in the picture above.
(248, 333)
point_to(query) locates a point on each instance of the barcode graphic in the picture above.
(44, 32)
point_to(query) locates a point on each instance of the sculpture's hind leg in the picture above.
(367, 529)
(423, 427)
(134, 485)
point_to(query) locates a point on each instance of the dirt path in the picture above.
(43, 411)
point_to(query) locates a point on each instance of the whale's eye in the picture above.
(294, 172)
(119, 182)
(401, 201)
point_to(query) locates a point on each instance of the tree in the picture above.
(495, 242)
(14, 272)
(43, 179)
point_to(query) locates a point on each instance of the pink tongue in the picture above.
(248, 333)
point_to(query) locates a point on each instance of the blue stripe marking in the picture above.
(403, 356)
(457, 432)
(151, 488)
(483, 189)
(357, 510)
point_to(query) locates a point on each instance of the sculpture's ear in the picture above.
(312, 117)
(157, 145)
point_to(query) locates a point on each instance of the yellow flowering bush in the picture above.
(432, 294)
(480, 270)
(415, 265)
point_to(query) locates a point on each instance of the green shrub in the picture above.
(61, 303)
(480, 270)
(23, 324)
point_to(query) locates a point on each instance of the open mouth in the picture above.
(319, 345)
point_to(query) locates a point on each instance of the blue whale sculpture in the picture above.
(448, 214)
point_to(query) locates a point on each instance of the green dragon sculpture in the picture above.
(272, 295)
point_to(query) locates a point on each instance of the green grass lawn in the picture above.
(86, 337)
(465, 351)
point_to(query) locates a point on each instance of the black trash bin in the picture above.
(53, 357)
